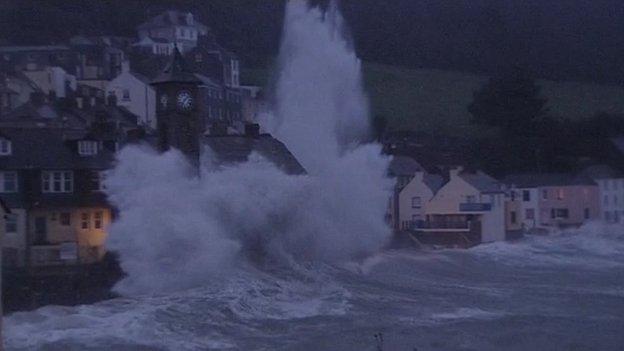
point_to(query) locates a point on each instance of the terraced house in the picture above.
(52, 181)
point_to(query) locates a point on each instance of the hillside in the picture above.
(436, 100)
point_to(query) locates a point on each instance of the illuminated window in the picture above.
(97, 220)
(559, 194)
(84, 220)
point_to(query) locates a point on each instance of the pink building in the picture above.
(552, 200)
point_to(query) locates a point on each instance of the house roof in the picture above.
(231, 149)
(433, 181)
(169, 18)
(602, 172)
(8, 49)
(403, 166)
(482, 182)
(177, 71)
(551, 179)
(34, 115)
(49, 148)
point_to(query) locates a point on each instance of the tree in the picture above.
(511, 102)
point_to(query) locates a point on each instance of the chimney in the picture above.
(125, 66)
(252, 130)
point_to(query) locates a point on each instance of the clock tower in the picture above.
(177, 114)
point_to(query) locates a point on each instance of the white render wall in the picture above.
(415, 188)
(142, 101)
(611, 199)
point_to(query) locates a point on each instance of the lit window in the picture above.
(87, 147)
(10, 224)
(559, 194)
(8, 182)
(97, 220)
(57, 181)
(5, 147)
(84, 220)
(416, 203)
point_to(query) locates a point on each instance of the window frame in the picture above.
(50, 180)
(87, 147)
(3, 182)
(6, 147)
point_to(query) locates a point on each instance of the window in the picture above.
(10, 224)
(529, 213)
(5, 147)
(563, 213)
(559, 194)
(416, 202)
(607, 215)
(552, 213)
(97, 220)
(606, 200)
(615, 200)
(545, 194)
(513, 195)
(513, 217)
(98, 181)
(470, 199)
(84, 220)
(87, 147)
(235, 72)
(65, 218)
(526, 195)
(8, 182)
(586, 213)
(126, 95)
(57, 181)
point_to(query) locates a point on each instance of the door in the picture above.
(41, 230)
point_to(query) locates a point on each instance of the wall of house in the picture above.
(14, 243)
(493, 221)
(52, 79)
(611, 198)
(142, 97)
(576, 199)
(414, 189)
(513, 206)
(448, 198)
(80, 230)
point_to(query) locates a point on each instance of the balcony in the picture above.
(440, 226)
(475, 207)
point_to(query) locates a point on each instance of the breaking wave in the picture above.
(177, 231)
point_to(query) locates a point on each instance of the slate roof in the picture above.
(551, 179)
(36, 116)
(231, 149)
(177, 71)
(169, 18)
(433, 181)
(7, 49)
(48, 148)
(403, 166)
(481, 181)
(602, 172)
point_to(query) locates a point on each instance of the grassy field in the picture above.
(436, 100)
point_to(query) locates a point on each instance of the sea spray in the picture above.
(177, 231)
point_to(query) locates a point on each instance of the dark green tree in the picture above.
(510, 102)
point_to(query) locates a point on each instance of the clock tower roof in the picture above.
(177, 71)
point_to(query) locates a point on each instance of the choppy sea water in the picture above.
(560, 292)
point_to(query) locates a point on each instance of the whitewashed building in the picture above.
(611, 188)
(134, 92)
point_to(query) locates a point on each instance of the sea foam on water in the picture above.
(177, 231)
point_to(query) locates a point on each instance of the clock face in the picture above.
(185, 100)
(164, 99)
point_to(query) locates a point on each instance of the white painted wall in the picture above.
(142, 97)
(415, 188)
